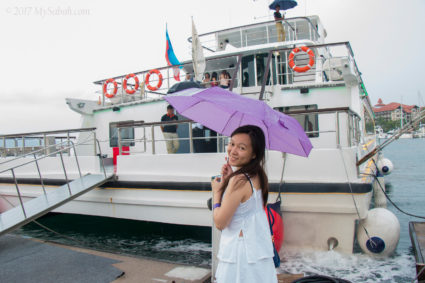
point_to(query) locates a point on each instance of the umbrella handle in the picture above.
(289, 25)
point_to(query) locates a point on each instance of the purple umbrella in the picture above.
(224, 111)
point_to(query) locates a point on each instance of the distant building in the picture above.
(392, 111)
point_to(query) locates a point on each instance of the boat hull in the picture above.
(310, 219)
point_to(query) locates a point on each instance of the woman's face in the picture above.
(240, 150)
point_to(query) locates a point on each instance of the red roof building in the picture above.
(380, 103)
(392, 111)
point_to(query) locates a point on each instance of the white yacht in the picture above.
(325, 196)
(380, 133)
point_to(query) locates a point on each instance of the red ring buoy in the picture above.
(136, 85)
(105, 85)
(153, 88)
(306, 67)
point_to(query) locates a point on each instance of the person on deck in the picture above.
(224, 81)
(206, 81)
(189, 77)
(214, 78)
(170, 132)
(246, 249)
(279, 26)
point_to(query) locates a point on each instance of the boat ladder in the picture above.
(26, 212)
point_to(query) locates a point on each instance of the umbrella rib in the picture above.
(228, 120)
(196, 103)
(240, 122)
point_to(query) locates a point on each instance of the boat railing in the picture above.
(346, 127)
(333, 64)
(30, 143)
(155, 86)
(66, 147)
(153, 140)
(298, 28)
(346, 131)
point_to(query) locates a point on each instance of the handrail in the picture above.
(186, 63)
(19, 135)
(142, 123)
(288, 73)
(351, 129)
(346, 43)
(420, 116)
(141, 72)
(12, 170)
(263, 85)
(39, 158)
(23, 136)
(233, 54)
(323, 110)
(34, 152)
(189, 39)
(41, 137)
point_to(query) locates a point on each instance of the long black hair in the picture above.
(256, 166)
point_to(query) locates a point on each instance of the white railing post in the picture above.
(190, 138)
(153, 139)
(119, 140)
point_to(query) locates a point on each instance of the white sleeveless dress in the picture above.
(248, 258)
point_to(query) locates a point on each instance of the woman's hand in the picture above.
(226, 171)
(217, 190)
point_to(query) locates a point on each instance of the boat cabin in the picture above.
(316, 82)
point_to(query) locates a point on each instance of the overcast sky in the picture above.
(56, 49)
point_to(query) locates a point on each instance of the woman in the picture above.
(206, 81)
(224, 82)
(214, 81)
(246, 251)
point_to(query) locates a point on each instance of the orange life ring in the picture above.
(306, 67)
(136, 85)
(153, 88)
(105, 91)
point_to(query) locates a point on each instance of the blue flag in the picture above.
(170, 56)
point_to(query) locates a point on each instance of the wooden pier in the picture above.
(30, 260)
(417, 236)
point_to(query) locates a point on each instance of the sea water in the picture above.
(185, 244)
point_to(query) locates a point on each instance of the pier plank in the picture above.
(417, 236)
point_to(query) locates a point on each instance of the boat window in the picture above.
(369, 122)
(248, 71)
(261, 68)
(127, 135)
(309, 121)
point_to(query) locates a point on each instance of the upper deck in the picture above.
(306, 29)
(255, 61)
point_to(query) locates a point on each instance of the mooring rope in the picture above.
(352, 194)
(389, 199)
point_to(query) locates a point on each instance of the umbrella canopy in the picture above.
(283, 4)
(183, 85)
(224, 111)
